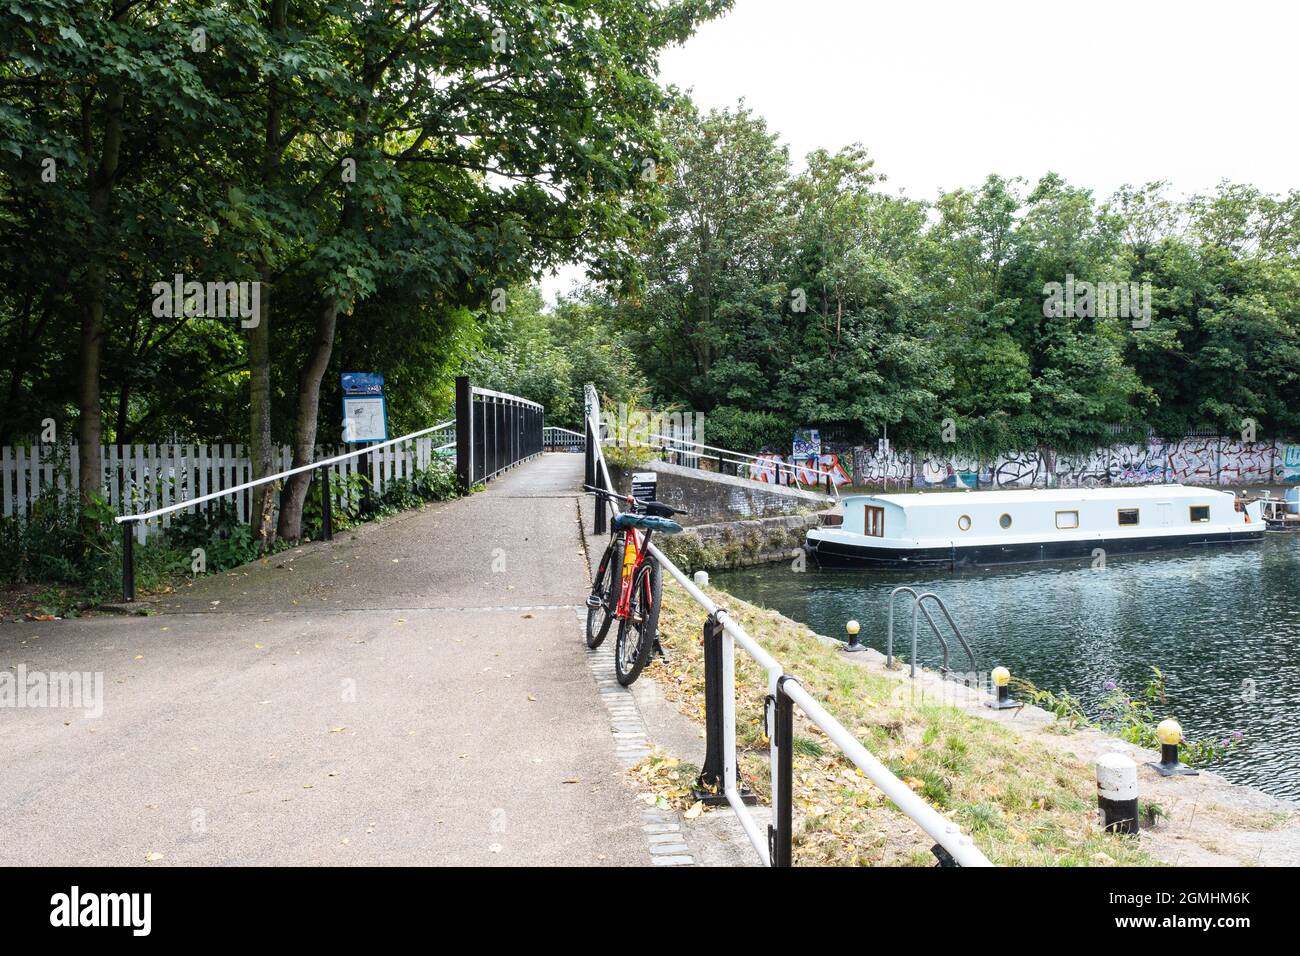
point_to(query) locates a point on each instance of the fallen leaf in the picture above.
(695, 810)
(152, 857)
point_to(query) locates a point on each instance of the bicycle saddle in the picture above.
(627, 519)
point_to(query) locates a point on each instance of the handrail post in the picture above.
(326, 505)
(464, 432)
(711, 784)
(128, 562)
(589, 456)
(782, 834)
(601, 526)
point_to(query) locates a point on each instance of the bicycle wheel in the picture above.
(604, 593)
(636, 633)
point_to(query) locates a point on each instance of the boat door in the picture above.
(1165, 513)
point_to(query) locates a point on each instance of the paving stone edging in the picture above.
(662, 828)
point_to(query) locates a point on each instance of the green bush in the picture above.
(226, 542)
(748, 432)
(62, 541)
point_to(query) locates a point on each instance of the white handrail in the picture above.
(777, 463)
(730, 451)
(515, 399)
(190, 502)
(945, 832)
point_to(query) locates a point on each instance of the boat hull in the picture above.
(844, 554)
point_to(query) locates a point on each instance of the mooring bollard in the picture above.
(710, 786)
(1002, 681)
(1170, 735)
(853, 628)
(701, 579)
(1117, 793)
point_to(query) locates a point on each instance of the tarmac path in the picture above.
(414, 692)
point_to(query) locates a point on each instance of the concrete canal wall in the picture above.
(739, 544)
(712, 498)
(733, 522)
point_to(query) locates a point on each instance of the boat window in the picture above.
(964, 522)
(1067, 519)
(1200, 513)
(1005, 521)
(1128, 516)
(874, 521)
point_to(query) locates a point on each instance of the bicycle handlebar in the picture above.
(628, 499)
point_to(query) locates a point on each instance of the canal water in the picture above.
(1222, 624)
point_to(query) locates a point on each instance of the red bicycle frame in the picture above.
(633, 557)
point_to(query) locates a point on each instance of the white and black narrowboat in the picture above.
(960, 529)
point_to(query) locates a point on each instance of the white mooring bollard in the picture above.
(1117, 793)
(701, 579)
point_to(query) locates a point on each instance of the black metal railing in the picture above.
(494, 432)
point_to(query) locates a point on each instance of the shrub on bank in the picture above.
(74, 551)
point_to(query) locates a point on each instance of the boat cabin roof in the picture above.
(955, 499)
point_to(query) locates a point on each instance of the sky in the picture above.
(943, 93)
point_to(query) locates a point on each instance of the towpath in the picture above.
(414, 692)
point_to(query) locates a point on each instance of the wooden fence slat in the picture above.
(166, 469)
(203, 471)
(6, 469)
(20, 480)
(34, 470)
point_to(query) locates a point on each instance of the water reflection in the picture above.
(1224, 626)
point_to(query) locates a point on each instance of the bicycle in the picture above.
(628, 584)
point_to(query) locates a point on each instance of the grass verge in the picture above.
(1023, 805)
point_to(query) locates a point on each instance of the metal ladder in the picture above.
(918, 604)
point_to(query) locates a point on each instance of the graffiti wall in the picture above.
(1203, 460)
(774, 468)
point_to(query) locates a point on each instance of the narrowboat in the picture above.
(1282, 514)
(961, 529)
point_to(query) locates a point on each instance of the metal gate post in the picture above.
(710, 785)
(781, 836)
(589, 456)
(464, 432)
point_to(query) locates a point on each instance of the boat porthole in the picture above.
(964, 522)
(1005, 521)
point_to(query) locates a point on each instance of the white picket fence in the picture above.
(141, 478)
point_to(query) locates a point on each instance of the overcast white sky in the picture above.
(943, 92)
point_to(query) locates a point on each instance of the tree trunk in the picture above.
(304, 425)
(260, 450)
(91, 302)
(88, 423)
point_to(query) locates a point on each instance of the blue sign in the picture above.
(363, 383)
